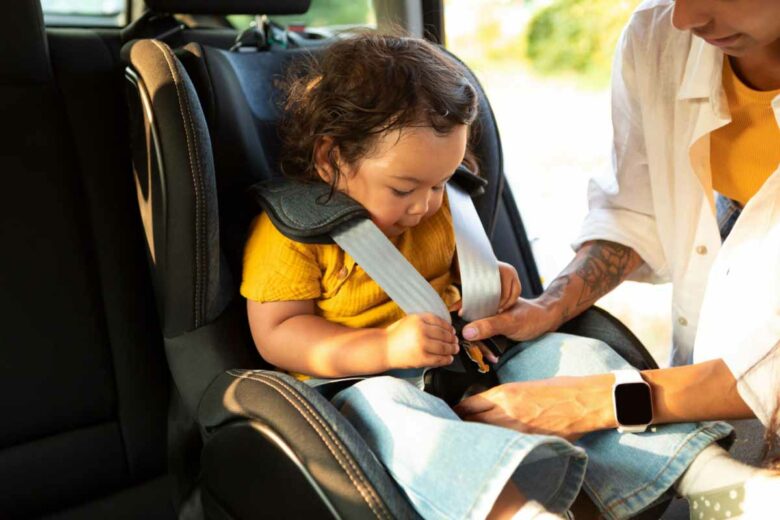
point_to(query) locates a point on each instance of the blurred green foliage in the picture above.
(322, 13)
(577, 36)
(487, 46)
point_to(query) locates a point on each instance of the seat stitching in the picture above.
(198, 202)
(335, 441)
(201, 217)
(362, 487)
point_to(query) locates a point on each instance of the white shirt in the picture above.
(667, 98)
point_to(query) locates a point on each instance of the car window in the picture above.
(323, 14)
(85, 13)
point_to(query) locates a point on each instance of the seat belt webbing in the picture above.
(385, 264)
(479, 276)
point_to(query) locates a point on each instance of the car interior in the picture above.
(131, 386)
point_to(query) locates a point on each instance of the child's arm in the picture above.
(290, 336)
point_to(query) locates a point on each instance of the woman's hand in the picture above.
(420, 340)
(598, 267)
(526, 319)
(568, 407)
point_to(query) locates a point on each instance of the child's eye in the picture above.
(399, 193)
(438, 188)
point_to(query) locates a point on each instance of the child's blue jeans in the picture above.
(451, 469)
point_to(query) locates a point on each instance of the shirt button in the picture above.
(702, 250)
(682, 321)
(343, 273)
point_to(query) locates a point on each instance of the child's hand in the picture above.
(421, 340)
(510, 286)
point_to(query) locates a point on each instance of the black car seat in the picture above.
(83, 378)
(272, 446)
(204, 122)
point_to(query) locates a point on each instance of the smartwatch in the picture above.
(632, 401)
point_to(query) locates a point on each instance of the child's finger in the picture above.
(517, 290)
(435, 321)
(441, 348)
(439, 361)
(511, 295)
(436, 333)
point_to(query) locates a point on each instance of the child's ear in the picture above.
(322, 152)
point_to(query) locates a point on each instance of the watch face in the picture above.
(633, 406)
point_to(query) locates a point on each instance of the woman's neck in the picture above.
(759, 69)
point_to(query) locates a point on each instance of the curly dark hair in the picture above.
(363, 86)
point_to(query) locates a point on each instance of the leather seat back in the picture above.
(83, 383)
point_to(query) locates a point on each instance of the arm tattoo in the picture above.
(556, 290)
(601, 266)
(602, 270)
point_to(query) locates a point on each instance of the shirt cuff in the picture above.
(630, 229)
(758, 384)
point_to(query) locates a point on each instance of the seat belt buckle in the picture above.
(470, 350)
(474, 353)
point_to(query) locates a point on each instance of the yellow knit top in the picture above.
(279, 269)
(745, 152)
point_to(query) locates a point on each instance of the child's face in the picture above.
(401, 181)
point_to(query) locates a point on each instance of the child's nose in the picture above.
(419, 207)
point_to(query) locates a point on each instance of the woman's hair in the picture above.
(363, 86)
(771, 456)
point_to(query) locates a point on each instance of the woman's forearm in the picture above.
(597, 268)
(702, 392)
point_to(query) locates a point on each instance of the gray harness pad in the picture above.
(306, 211)
(309, 211)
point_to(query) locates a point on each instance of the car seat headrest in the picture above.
(24, 53)
(276, 7)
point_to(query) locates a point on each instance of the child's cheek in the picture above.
(382, 220)
(433, 208)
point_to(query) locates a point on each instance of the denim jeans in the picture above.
(626, 472)
(450, 469)
(727, 211)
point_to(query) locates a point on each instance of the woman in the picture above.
(696, 108)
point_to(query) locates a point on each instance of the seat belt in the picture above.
(384, 263)
(480, 278)
(480, 282)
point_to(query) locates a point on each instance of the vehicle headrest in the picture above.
(24, 53)
(229, 6)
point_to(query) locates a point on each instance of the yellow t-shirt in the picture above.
(279, 269)
(745, 152)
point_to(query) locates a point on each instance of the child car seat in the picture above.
(202, 135)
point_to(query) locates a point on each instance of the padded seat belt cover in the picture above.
(309, 211)
(305, 211)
